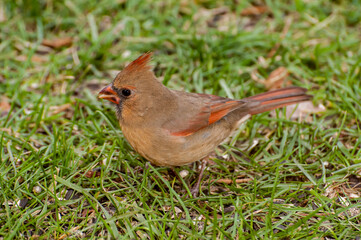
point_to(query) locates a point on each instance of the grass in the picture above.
(67, 172)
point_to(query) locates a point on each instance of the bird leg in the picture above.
(195, 188)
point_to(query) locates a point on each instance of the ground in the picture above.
(67, 172)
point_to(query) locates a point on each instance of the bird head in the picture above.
(134, 90)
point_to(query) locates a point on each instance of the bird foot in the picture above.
(195, 188)
(195, 191)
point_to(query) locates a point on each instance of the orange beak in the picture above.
(109, 94)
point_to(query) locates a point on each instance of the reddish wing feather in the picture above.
(213, 111)
(219, 110)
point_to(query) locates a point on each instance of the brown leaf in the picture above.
(10, 132)
(4, 105)
(34, 58)
(230, 181)
(254, 10)
(334, 190)
(59, 109)
(58, 42)
(72, 231)
(221, 18)
(255, 76)
(93, 173)
(2, 13)
(277, 79)
(39, 49)
(303, 110)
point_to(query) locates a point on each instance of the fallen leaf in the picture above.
(165, 208)
(74, 232)
(228, 209)
(34, 58)
(10, 132)
(4, 105)
(177, 210)
(217, 189)
(2, 13)
(277, 79)
(254, 10)
(256, 77)
(93, 173)
(225, 22)
(25, 45)
(221, 18)
(185, 7)
(339, 190)
(350, 212)
(59, 109)
(230, 181)
(58, 42)
(302, 111)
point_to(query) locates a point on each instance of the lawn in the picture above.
(66, 170)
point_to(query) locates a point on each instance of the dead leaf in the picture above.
(344, 193)
(2, 13)
(350, 212)
(165, 208)
(217, 189)
(4, 105)
(25, 45)
(221, 18)
(34, 58)
(254, 10)
(230, 181)
(59, 109)
(263, 62)
(256, 76)
(58, 42)
(71, 232)
(93, 173)
(277, 79)
(226, 21)
(302, 111)
(10, 132)
(185, 7)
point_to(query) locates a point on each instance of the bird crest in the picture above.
(139, 64)
(134, 70)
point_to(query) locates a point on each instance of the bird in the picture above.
(173, 128)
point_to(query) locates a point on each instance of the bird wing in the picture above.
(212, 109)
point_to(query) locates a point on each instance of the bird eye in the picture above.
(126, 92)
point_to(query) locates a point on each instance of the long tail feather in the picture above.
(278, 98)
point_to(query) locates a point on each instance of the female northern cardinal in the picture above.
(173, 128)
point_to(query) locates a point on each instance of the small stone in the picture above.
(126, 53)
(37, 189)
(183, 173)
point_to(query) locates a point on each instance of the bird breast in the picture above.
(163, 149)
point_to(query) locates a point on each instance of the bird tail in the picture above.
(278, 98)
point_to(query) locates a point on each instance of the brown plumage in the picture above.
(173, 128)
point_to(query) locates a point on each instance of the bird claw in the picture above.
(195, 191)
(195, 188)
